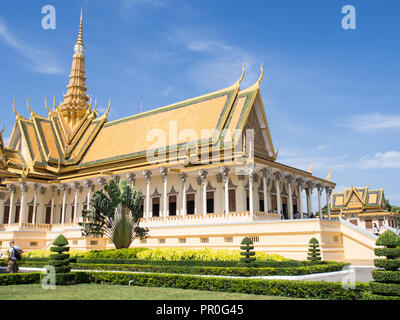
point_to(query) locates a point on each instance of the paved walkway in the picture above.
(354, 274)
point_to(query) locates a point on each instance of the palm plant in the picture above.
(115, 212)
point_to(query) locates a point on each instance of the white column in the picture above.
(147, 175)
(75, 187)
(88, 184)
(225, 174)
(203, 177)
(278, 179)
(290, 197)
(266, 175)
(251, 198)
(319, 190)
(24, 189)
(63, 188)
(36, 187)
(53, 191)
(183, 177)
(164, 174)
(12, 190)
(328, 191)
(309, 197)
(300, 199)
(241, 194)
(2, 197)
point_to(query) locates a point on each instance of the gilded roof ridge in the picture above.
(226, 89)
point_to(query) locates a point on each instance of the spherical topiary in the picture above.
(386, 284)
(248, 253)
(314, 252)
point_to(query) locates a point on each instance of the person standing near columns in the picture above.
(203, 177)
(225, 174)
(36, 187)
(164, 174)
(24, 189)
(147, 175)
(11, 216)
(183, 177)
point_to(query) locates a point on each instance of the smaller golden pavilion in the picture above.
(363, 207)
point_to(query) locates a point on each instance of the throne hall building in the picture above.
(53, 164)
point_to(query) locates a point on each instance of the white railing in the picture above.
(211, 218)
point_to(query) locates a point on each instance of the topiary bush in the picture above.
(60, 260)
(314, 252)
(247, 251)
(386, 284)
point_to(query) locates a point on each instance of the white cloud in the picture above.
(127, 4)
(373, 122)
(167, 91)
(37, 60)
(387, 160)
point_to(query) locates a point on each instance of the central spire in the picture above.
(75, 104)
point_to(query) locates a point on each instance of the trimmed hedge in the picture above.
(200, 270)
(19, 278)
(387, 264)
(386, 289)
(390, 253)
(386, 276)
(285, 288)
(259, 264)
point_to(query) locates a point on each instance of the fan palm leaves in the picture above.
(114, 212)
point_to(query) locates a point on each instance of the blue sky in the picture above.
(331, 95)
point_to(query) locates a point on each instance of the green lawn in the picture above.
(118, 292)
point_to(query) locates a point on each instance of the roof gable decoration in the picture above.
(354, 199)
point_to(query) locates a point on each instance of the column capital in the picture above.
(289, 178)
(24, 187)
(63, 187)
(266, 173)
(88, 183)
(183, 177)
(278, 176)
(310, 185)
(116, 178)
(328, 190)
(131, 177)
(75, 186)
(36, 187)
(147, 175)
(53, 190)
(11, 187)
(203, 175)
(101, 181)
(225, 172)
(164, 173)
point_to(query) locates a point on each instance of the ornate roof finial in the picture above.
(310, 167)
(54, 102)
(237, 83)
(328, 177)
(15, 111)
(262, 73)
(79, 46)
(33, 113)
(276, 154)
(256, 86)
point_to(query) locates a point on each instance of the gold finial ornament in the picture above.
(76, 102)
(328, 178)
(310, 167)
(276, 154)
(262, 73)
(33, 113)
(16, 112)
(237, 83)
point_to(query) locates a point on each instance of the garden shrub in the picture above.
(286, 288)
(314, 252)
(386, 282)
(19, 278)
(60, 260)
(247, 251)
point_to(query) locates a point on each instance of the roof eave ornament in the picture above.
(256, 86)
(33, 113)
(18, 116)
(237, 83)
